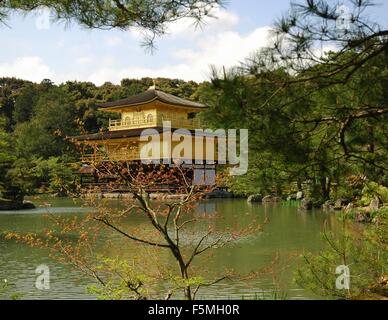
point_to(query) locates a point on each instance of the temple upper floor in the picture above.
(151, 109)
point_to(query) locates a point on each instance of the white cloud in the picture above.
(220, 49)
(113, 41)
(221, 20)
(218, 43)
(28, 68)
(213, 43)
(224, 49)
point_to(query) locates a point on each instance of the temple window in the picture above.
(127, 121)
(191, 115)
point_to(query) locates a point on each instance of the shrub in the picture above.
(372, 190)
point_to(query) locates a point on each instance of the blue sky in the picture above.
(35, 49)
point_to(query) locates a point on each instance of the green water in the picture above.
(288, 233)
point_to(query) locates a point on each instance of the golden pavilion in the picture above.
(153, 114)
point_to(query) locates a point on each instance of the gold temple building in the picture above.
(155, 120)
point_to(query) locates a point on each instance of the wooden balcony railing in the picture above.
(113, 156)
(116, 125)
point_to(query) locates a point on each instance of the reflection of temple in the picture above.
(153, 109)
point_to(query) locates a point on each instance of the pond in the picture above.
(289, 233)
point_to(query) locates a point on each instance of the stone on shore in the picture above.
(349, 207)
(12, 205)
(220, 194)
(328, 205)
(28, 205)
(375, 204)
(257, 198)
(340, 204)
(299, 195)
(362, 217)
(272, 199)
(306, 204)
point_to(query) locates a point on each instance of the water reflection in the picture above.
(288, 232)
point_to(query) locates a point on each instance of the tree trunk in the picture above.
(325, 184)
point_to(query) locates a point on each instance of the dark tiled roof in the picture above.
(125, 134)
(151, 95)
(112, 135)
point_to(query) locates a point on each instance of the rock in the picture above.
(291, 197)
(380, 288)
(328, 205)
(349, 207)
(375, 204)
(267, 199)
(299, 195)
(28, 205)
(306, 204)
(271, 199)
(255, 198)
(12, 205)
(219, 194)
(340, 203)
(362, 217)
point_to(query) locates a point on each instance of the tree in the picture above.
(128, 275)
(9, 88)
(53, 120)
(85, 97)
(314, 24)
(363, 252)
(25, 103)
(305, 131)
(238, 99)
(313, 115)
(358, 46)
(36, 175)
(5, 156)
(148, 15)
(36, 118)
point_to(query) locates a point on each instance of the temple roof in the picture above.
(152, 95)
(113, 135)
(128, 134)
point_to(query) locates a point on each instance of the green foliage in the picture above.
(6, 158)
(35, 120)
(305, 131)
(40, 175)
(24, 103)
(364, 253)
(120, 281)
(148, 15)
(181, 283)
(5, 292)
(349, 187)
(372, 190)
(52, 121)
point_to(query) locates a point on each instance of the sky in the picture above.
(33, 48)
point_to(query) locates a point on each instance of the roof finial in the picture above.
(153, 87)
